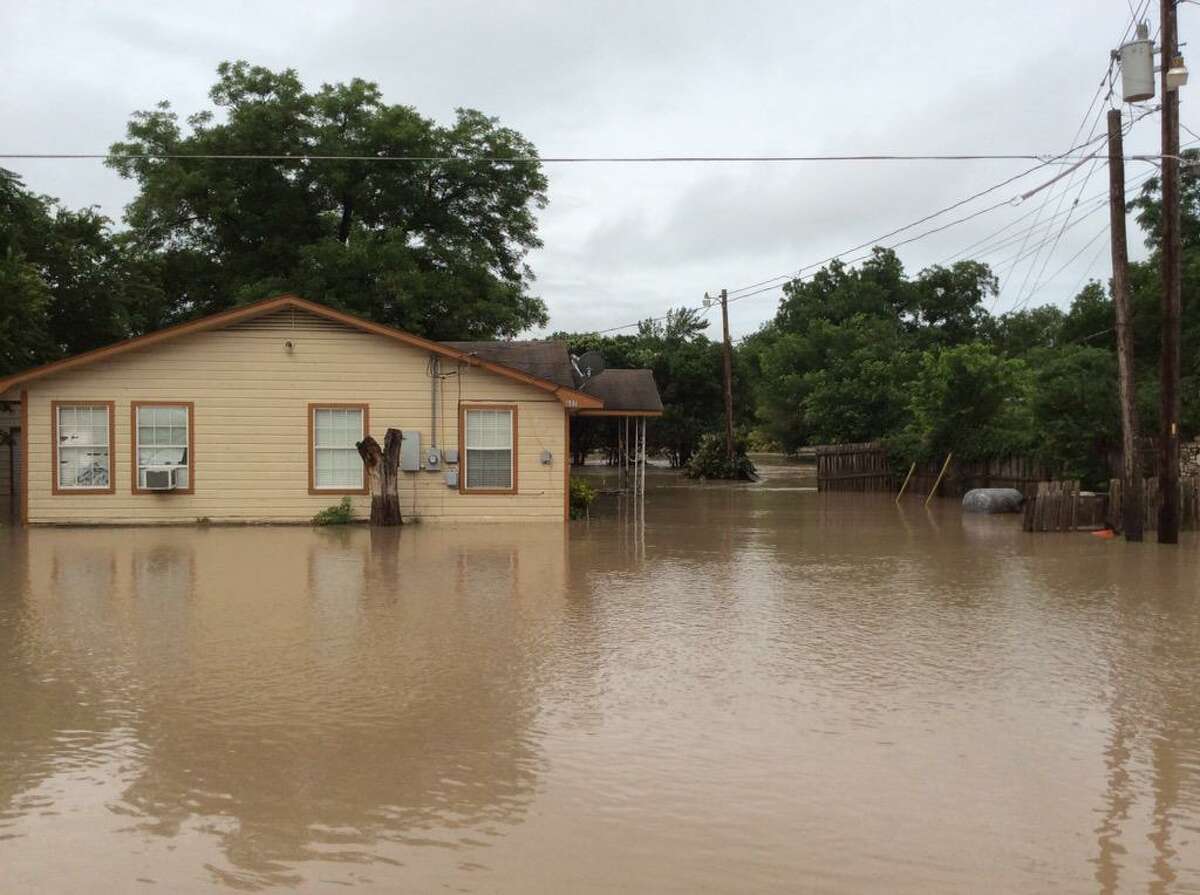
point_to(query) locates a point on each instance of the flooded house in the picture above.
(253, 414)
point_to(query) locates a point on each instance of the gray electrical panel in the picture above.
(410, 451)
(451, 478)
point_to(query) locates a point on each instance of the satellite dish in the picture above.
(591, 363)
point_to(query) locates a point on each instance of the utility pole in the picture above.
(1169, 408)
(1132, 514)
(728, 352)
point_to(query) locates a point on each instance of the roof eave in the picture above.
(568, 397)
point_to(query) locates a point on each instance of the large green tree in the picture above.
(435, 245)
(67, 283)
(1075, 411)
(969, 400)
(835, 363)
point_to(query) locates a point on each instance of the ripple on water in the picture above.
(764, 689)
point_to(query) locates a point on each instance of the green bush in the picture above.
(760, 441)
(341, 514)
(581, 497)
(711, 462)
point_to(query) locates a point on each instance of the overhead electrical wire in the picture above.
(1072, 260)
(872, 243)
(790, 275)
(1066, 220)
(1005, 278)
(980, 245)
(1087, 271)
(1136, 15)
(1043, 157)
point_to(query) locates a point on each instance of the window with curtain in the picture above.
(163, 434)
(488, 442)
(336, 463)
(84, 452)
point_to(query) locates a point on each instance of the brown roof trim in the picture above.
(569, 397)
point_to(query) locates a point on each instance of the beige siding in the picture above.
(251, 400)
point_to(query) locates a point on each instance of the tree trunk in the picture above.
(344, 225)
(383, 479)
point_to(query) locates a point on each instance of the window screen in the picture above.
(489, 449)
(162, 441)
(83, 448)
(336, 463)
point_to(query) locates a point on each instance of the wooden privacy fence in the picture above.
(864, 467)
(853, 467)
(1060, 506)
(1021, 473)
(1189, 503)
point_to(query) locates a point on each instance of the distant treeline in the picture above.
(852, 354)
(871, 353)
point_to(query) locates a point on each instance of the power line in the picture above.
(1070, 261)
(1045, 158)
(1046, 199)
(772, 283)
(875, 240)
(1088, 270)
(975, 247)
(1130, 28)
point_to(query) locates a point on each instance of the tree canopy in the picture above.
(404, 228)
(434, 247)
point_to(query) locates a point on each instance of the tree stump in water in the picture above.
(383, 468)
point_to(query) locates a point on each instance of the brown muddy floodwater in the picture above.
(765, 690)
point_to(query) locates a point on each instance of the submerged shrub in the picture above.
(582, 495)
(341, 514)
(711, 462)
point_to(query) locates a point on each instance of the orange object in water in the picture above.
(1105, 533)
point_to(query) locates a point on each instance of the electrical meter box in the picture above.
(410, 451)
(433, 459)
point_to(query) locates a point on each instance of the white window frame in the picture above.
(364, 413)
(467, 448)
(56, 410)
(135, 421)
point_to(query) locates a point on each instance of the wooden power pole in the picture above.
(1132, 514)
(728, 352)
(1169, 409)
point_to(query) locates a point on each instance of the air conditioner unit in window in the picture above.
(160, 479)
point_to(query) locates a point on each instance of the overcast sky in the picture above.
(624, 242)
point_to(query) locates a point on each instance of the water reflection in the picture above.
(291, 711)
(761, 689)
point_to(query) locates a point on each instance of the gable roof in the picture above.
(625, 392)
(567, 394)
(546, 360)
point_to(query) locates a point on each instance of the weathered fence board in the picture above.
(1060, 506)
(1189, 504)
(864, 466)
(853, 467)
(1021, 473)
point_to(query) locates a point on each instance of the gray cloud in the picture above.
(624, 242)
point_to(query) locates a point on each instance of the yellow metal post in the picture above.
(911, 470)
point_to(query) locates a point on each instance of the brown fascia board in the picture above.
(569, 397)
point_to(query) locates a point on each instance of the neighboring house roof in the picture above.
(565, 392)
(624, 393)
(546, 360)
